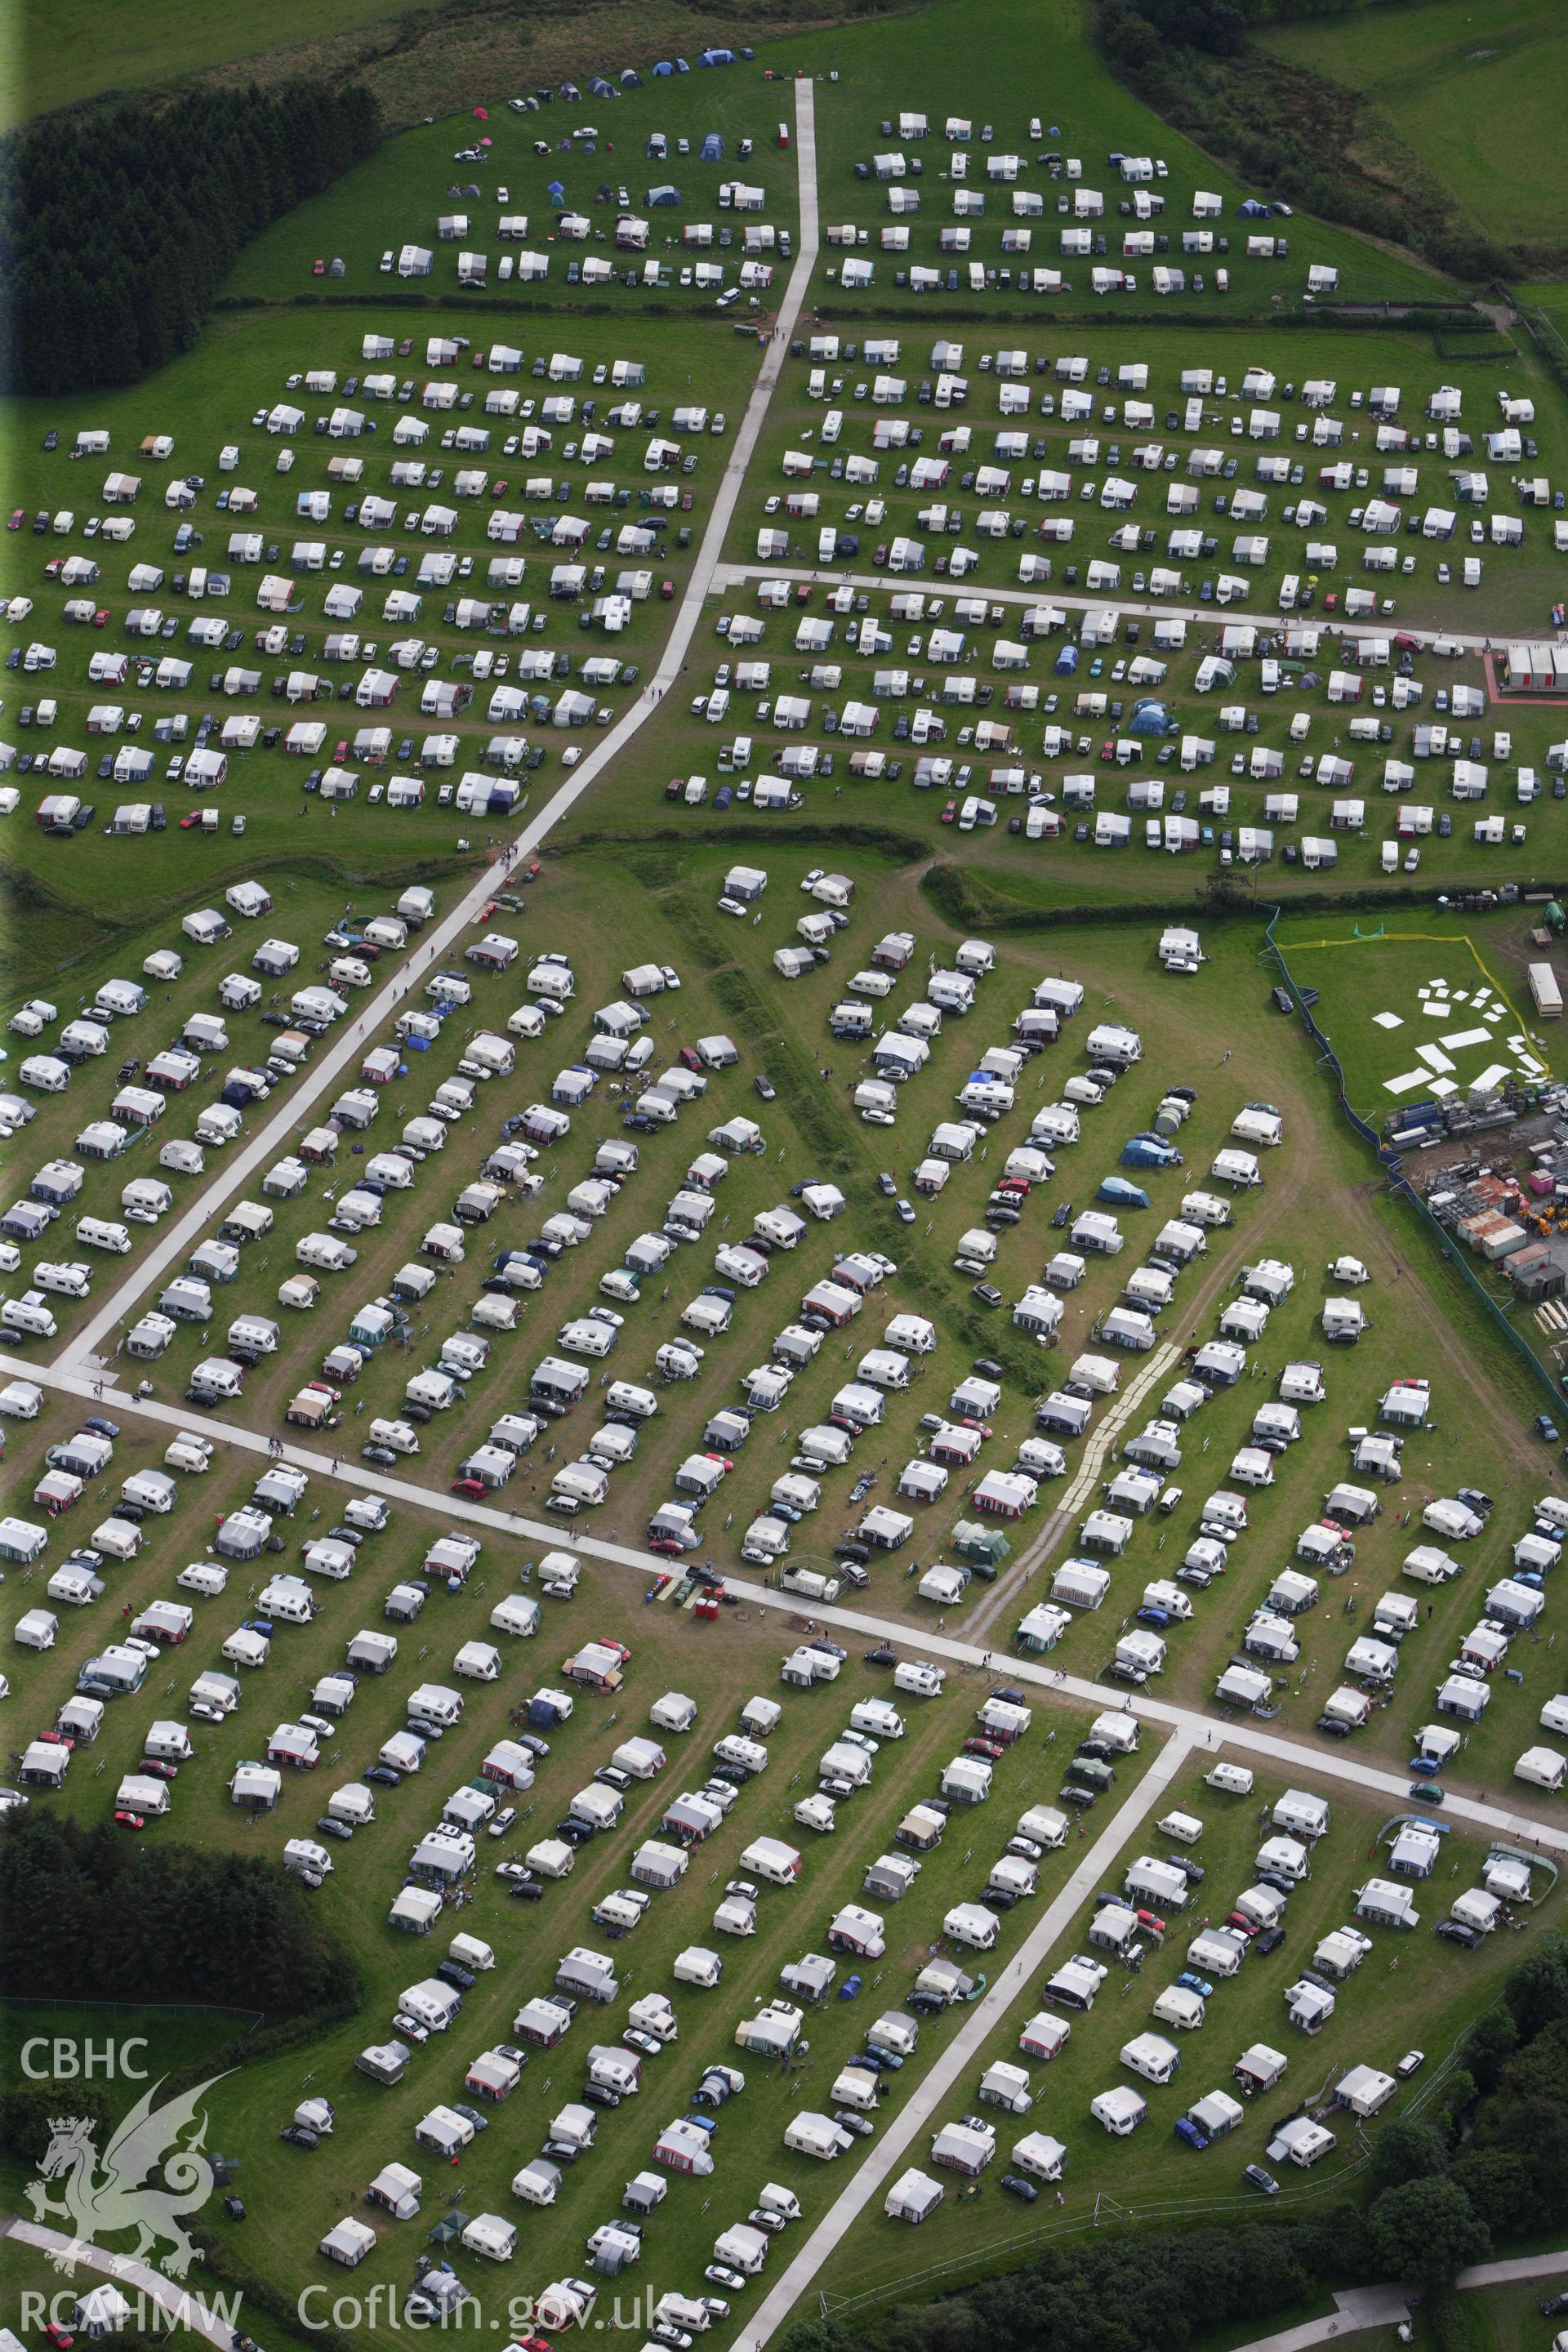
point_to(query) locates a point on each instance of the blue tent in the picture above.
(600, 88)
(681, 66)
(631, 79)
(663, 68)
(570, 92)
(1145, 1151)
(665, 195)
(717, 57)
(712, 148)
(1065, 661)
(1123, 1195)
(1148, 719)
(1251, 208)
(556, 194)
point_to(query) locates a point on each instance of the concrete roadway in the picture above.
(893, 2146)
(1244, 1736)
(1216, 616)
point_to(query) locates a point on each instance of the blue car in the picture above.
(1192, 1982)
(1187, 2130)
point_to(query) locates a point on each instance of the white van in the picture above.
(30, 1315)
(102, 1233)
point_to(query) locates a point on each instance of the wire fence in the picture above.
(1108, 2212)
(248, 2020)
(1392, 1165)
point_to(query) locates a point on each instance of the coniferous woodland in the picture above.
(118, 229)
(88, 1914)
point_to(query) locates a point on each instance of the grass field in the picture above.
(1408, 976)
(965, 2240)
(1517, 583)
(209, 400)
(932, 64)
(1471, 92)
(291, 2197)
(923, 62)
(397, 196)
(420, 61)
(728, 982)
(635, 876)
(80, 55)
(246, 363)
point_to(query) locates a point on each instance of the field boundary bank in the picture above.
(1109, 2211)
(947, 887)
(1391, 1163)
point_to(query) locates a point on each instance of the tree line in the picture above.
(1484, 2163)
(117, 231)
(91, 1914)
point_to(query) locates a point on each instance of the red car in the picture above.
(690, 1058)
(666, 589)
(473, 1490)
(61, 2338)
(686, 503)
(318, 269)
(186, 822)
(949, 812)
(158, 1770)
(100, 618)
(1239, 1919)
(18, 517)
(986, 1747)
(1152, 1921)
(529, 873)
(125, 1819)
(497, 489)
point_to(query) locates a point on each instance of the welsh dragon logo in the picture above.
(145, 2180)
